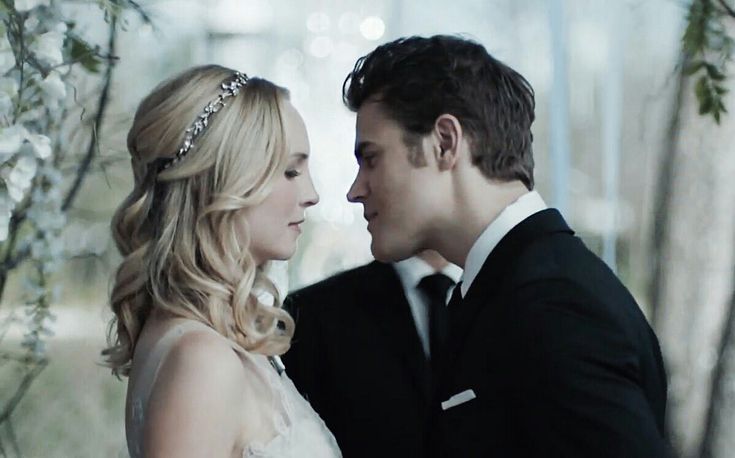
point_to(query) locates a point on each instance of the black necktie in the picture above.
(456, 298)
(436, 286)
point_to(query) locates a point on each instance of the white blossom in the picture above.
(80, 239)
(47, 46)
(9, 85)
(38, 249)
(6, 104)
(55, 248)
(27, 5)
(53, 87)
(32, 291)
(29, 116)
(8, 89)
(11, 139)
(7, 58)
(46, 219)
(31, 23)
(54, 90)
(41, 145)
(16, 191)
(6, 208)
(50, 197)
(53, 177)
(21, 176)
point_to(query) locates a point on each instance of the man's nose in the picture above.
(357, 191)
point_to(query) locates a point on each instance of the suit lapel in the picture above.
(489, 281)
(392, 316)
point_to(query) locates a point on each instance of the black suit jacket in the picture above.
(356, 356)
(560, 358)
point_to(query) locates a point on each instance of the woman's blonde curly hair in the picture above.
(181, 231)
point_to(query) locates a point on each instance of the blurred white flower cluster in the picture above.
(32, 91)
(39, 49)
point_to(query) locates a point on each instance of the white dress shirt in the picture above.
(411, 271)
(510, 217)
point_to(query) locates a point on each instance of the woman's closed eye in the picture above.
(297, 163)
(292, 173)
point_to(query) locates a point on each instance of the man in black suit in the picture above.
(548, 353)
(362, 352)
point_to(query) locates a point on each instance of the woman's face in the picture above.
(275, 224)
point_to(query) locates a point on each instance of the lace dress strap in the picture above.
(141, 390)
(149, 371)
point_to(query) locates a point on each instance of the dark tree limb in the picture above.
(10, 260)
(101, 109)
(728, 9)
(21, 390)
(13, 438)
(664, 187)
(717, 385)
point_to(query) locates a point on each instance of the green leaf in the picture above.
(706, 102)
(693, 67)
(714, 72)
(695, 36)
(700, 89)
(705, 107)
(82, 52)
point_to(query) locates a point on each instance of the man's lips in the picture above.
(370, 216)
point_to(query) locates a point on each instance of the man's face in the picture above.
(398, 197)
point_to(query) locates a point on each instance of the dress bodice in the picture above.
(299, 431)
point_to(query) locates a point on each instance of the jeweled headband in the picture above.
(230, 88)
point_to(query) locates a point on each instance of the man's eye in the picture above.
(369, 160)
(293, 173)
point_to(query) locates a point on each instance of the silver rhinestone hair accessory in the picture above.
(230, 88)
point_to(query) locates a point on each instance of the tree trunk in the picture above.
(695, 281)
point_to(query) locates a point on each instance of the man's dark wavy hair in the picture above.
(417, 79)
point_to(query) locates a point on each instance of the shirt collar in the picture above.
(413, 269)
(510, 217)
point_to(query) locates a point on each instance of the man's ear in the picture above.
(448, 137)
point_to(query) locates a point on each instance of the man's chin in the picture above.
(384, 253)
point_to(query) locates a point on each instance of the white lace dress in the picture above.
(299, 430)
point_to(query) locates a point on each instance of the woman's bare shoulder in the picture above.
(198, 399)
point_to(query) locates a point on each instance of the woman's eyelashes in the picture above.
(297, 164)
(292, 173)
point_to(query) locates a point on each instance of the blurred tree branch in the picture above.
(717, 388)
(101, 107)
(727, 8)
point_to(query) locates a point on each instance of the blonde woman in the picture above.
(222, 181)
